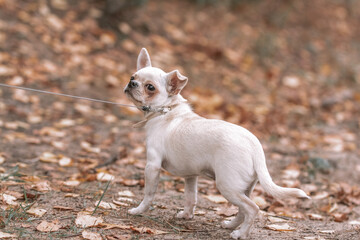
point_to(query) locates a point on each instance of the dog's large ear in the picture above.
(143, 59)
(175, 82)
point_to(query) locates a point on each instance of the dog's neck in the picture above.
(151, 112)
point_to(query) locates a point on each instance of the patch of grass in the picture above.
(12, 175)
(103, 194)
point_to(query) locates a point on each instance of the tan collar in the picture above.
(153, 113)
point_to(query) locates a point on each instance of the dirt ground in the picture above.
(286, 70)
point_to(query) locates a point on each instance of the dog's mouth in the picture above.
(130, 95)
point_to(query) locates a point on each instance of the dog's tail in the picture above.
(268, 184)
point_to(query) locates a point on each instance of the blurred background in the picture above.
(287, 70)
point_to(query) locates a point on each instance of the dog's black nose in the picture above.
(132, 84)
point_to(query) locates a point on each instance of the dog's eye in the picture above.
(132, 78)
(150, 87)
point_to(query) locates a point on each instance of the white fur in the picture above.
(187, 145)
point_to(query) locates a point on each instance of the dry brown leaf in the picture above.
(87, 147)
(65, 123)
(327, 231)
(355, 222)
(42, 186)
(52, 132)
(62, 208)
(45, 226)
(111, 226)
(91, 235)
(37, 212)
(65, 161)
(48, 157)
(119, 203)
(104, 177)
(261, 202)
(4, 235)
(314, 216)
(130, 182)
(72, 195)
(340, 217)
(105, 205)
(274, 219)
(72, 183)
(216, 198)
(147, 230)
(280, 227)
(126, 193)
(320, 195)
(85, 220)
(314, 238)
(227, 211)
(9, 199)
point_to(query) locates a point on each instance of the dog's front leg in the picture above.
(152, 172)
(190, 198)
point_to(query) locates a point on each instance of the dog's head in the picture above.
(151, 86)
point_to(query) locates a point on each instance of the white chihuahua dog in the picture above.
(187, 145)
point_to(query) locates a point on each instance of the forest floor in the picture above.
(289, 71)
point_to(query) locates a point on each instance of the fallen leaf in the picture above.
(227, 211)
(126, 193)
(327, 231)
(147, 230)
(273, 219)
(52, 132)
(37, 212)
(62, 208)
(45, 226)
(124, 204)
(104, 177)
(261, 202)
(7, 235)
(91, 235)
(130, 182)
(85, 220)
(314, 238)
(9, 199)
(314, 216)
(65, 123)
(105, 205)
(320, 195)
(42, 186)
(340, 217)
(291, 81)
(72, 183)
(48, 157)
(216, 198)
(72, 195)
(87, 147)
(111, 226)
(280, 227)
(355, 222)
(65, 162)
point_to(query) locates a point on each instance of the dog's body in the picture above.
(187, 145)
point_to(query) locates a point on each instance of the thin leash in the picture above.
(72, 96)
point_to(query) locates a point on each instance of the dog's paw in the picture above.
(135, 211)
(238, 234)
(184, 215)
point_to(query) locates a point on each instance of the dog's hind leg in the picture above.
(190, 198)
(239, 218)
(247, 209)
